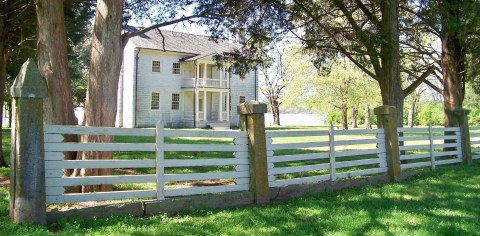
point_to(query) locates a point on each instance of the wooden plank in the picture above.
(450, 161)
(414, 156)
(475, 149)
(205, 190)
(54, 156)
(476, 157)
(295, 169)
(203, 147)
(100, 196)
(53, 173)
(95, 180)
(90, 130)
(415, 165)
(358, 131)
(101, 147)
(446, 137)
(160, 160)
(413, 138)
(331, 153)
(205, 176)
(240, 141)
(474, 135)
(206, 162)
(359, 141)
(414, 147)
(242, 167)
(474, 142)
(242, 181)
(449, 153)
(100, 164)
(361, 172)
(241, 154)
(444, 145)
(279, 134)
(303, 180)
(54, 191)
(285, 146)
(432, 148)
(343, 164)
(445, 129)
(53, 138)
(358, 152)
(205, 133)
(474, 128)
(412, 130)
(300, 157)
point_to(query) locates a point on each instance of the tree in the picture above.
(15, 31)
(276, 80)
(365, 32)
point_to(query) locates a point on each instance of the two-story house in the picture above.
(174, 79)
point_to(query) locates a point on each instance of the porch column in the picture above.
(204, 105)
(228, 78)
(220, 106)
(196, 105)
(205, 73)
(228, 105)
(197, 74)
(221, 76)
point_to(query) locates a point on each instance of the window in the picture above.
(176, 68)
(242, 99)
(175, 101)
(155, 102)
(155, 66)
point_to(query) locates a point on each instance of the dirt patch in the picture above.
(4, 181)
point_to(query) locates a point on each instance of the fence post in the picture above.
(387, 119)
(160, 160)
(432, 151)
(27, 187)
(462, 115)
(252, 117)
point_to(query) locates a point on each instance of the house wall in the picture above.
(241, 87)
(166, 83)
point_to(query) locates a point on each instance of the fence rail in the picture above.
(429, 147)
(475, 142)
(331, 158)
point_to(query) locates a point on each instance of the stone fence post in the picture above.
(27, 187)
(462, 115)
(252, 120)
(387, 119)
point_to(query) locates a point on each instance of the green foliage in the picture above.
(431, 113)
(334, 117)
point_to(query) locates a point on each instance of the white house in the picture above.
(174, 79)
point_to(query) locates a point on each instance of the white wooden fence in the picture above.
(179, 163)
(54, 163)
(475, 142)
(428, 144)
(332, 158)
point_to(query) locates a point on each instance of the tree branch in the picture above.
(419, 80)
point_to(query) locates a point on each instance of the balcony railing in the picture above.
(205, 83)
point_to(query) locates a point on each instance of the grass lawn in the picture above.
(445, 202)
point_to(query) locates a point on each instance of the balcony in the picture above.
(205, 83)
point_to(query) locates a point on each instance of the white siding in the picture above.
(128, 85)
(241, 87)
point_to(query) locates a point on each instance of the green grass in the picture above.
(444, 202)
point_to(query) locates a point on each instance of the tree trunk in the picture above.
(344, 118)
(52, 63)
(276, 113)
(368, 122)
(3, 75)
(452, 62)
(411, 112)
(105, 62)
(354, 117)
(389, 81)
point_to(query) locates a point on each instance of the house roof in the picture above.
(182, 42)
